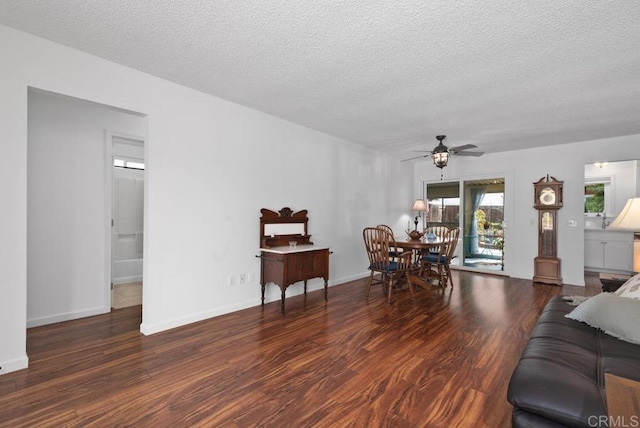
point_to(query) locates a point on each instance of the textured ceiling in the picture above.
(500, 74)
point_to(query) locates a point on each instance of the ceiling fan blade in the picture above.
(417, 157)
(468, 153)
(464, 147)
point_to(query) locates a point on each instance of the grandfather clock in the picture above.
(547, 200)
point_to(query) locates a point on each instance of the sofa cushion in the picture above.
(620, 358)
(529, 420)
(550, 386)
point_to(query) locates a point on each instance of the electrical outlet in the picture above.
(573, 223)
(243, 278)
(232, 280)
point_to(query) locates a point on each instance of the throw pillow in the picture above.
(631, 288)
(615, 315)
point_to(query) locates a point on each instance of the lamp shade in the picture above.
(420, 205)
(629, 218)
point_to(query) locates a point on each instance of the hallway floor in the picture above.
(126, 295)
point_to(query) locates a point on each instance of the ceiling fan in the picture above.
(441, 153)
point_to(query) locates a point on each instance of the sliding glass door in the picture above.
(477, 207)
(483, 224)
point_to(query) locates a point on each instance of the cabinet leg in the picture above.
(326, 290)
(262, 286)
(305, 286)
(282, 302)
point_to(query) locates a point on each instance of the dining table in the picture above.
(419, 245)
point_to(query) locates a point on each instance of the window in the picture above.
(598, 197)
(444, 203)
(444, 211)
(594, 198)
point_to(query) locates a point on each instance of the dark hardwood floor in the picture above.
(441, 360)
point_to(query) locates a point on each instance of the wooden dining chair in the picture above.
(379, 244)
(439, 232)
(385, 227)
(393, 253)
(440, 263)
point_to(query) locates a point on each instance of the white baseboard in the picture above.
(148, 329)
(351, 278)
(52, 319)
(14, 365)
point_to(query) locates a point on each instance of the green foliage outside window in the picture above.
(594, 198)
(481, 218)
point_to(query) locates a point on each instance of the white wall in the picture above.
(522, 168)
(211, 166)
(67, 247)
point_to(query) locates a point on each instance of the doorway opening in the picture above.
(127, 220)
(69, 204)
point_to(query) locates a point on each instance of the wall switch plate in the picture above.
(243, 278)
(573, 223)
(232, 280)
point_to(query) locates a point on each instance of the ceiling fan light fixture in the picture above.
(440, 153)
(440, 159)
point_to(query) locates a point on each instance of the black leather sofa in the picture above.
(559, 380)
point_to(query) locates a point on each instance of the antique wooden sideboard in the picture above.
(287, 253)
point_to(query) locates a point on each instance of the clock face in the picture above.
(547, 196)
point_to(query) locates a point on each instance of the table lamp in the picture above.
(419, 206)
(629, 218)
